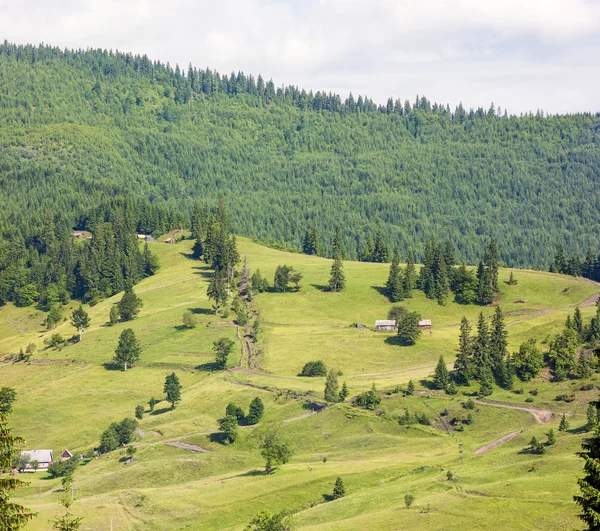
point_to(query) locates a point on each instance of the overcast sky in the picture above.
(519, 54)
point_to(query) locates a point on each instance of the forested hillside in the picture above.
(79, 128)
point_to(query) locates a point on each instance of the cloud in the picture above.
(474, 51)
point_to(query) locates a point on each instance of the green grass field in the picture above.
(67, 397)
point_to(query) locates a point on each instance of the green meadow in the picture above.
(67, 397)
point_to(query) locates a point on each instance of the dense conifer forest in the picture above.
(83, 131)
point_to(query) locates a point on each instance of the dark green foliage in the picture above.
(337, 279)
(464, 364)
(7, 397)
(117, 434)
(562, 353)
(284, 275)
(339, 490)
(592, 415)
(266, 521)
(409, 499)
(114, 315)
(536, 447)
(130, 305)
(408, 328)
(410, 388)
(368, 399)
(172, 389)
(486, 381)
(229, 427)
(394, 286)
(128, 350)
(331, 393)
(139, 412)
(152, 403)
(451, 389)
(80, 320)
(564, 423)
(551, 437)
(217, 291)
(258, 283)
(528, 361)
(59, 469)
(464, 285)
(396, 313)
(275, 448)
(311, 244)
(344, 392)
(498, 344)
(222, 348)
(255, 411)
(441, 376)
(589, 484)
(410, 275)
(314, 368)
(235, 411)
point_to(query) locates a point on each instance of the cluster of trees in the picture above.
(484, 357)
(234, 415)
(407, 324)
(332, 392)
(323, 160)
(587, 267)
(117, 434)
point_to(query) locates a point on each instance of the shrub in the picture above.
(469, 404)
(255, 411)
(368, 399)
(314, 368)
(139, 412)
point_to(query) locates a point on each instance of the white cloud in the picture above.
(521, 54)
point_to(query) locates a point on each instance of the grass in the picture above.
(67, 397)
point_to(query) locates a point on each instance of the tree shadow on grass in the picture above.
(428, 384)
(210, 366)
(328, 497)
(218, 437)
(380, 289)
(577, 431)
(111, 366)
(252, 473)
(202, 311)
(203, 271)
(396, 341)
(321, 287)
(161, 410)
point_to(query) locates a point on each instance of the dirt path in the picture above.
(590, 301)
(541, 415)
(528, 317)
(186, 446)
(485, 449)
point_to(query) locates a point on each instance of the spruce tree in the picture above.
(217, 291)
(481, 345)
(255, 411)
(559, 264)
(442, 283)
(492, 262)
(578, 322)
(128, 350)
(337, 245)
(338, 489)
(344, 392)
(410, 275)
(172, 389)
(130, 305)
(564, 423)
(441, 376)
(337, 279)
(380, 251)
(589, 484)
(498, 343)
(464, 364)
(331, 393)
(367, 252)
(393, 285)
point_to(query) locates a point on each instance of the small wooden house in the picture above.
(66, 455)
(170, 240)
(44, 459)
(385, 325)
(78, 235)
(425, 324)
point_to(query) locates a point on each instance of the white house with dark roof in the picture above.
(43, 457)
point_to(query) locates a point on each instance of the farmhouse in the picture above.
(170, 240)
(78, 235)
(66, 455)
(385, 325)
(425, 324)
(43, 457)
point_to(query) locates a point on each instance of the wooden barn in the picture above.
(170, 240)
(66, 455)
(425, 324)
(385, 325)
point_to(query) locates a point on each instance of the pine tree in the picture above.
(498, 344)
(481, 345)
(331, 387)
(492, 262)
(255, 411)
(128, 350)
(442, 283)
(344, 392)
(589, 484)
(410, 275)
(410, 388)
(441, 376)
(130, 305)
(578, 322)
(564, 423)
(592, 416)
(559, 264)
(311, 242)
(217, 291)
(367, 252)
(337, 245)
(464, 363)
(380, 251)
(393, 285)
(337, 279)
(338, 489)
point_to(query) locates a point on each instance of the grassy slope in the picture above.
(69, 397)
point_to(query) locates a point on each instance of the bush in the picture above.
(368, 399)
(63, 468)
(117, 434)
(234, 411)
(469, 404)
(189, 319)
(314, 368)
(139, 412)
(255, 411)
(529, 399)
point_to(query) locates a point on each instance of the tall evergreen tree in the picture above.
(492, 262)
(441, 377)
(331, 387)
(481, 345)
(393, 285)
(498, 343)
(464, 364)
(380, 250)
(589, 484)
(337, 245)
(80, 320)
(337, 279)
(217, 291)
(410, 275)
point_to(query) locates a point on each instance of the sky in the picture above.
(521, 55)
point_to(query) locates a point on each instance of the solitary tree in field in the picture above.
(130, 305)
(589, 484)
(172, 389)
(68, 521)
(222, 348)
(128, 350)
(275, 449)
(564, 423)
(344, 392)
(80, 320)
(229, 427)
(256, 411)
(337, 280)
(331, 387)
(441, 376)
(139, 412)
(217, 291)
(338, 489)
(189, 320)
